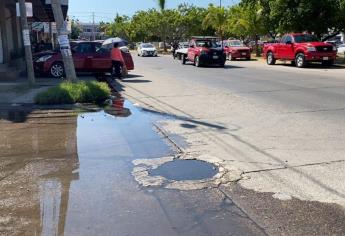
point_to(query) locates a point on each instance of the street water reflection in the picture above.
(67, 174)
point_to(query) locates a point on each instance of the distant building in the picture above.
(91, 31)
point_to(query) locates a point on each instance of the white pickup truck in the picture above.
(181, 50)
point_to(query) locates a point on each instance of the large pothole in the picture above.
(179, 170)
(184, 173)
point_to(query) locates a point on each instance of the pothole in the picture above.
(184, 172)
(179, 170)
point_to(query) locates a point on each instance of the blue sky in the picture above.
(106, 9)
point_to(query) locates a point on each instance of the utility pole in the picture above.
(27, 43)
(220, 3)
(65, 46)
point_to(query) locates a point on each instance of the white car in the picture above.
(147, 49)
(341, 49)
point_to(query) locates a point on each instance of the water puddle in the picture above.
(185, 170)
(81, 184)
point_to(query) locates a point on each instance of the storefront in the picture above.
(11, 47)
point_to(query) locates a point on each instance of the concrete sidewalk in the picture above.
(19, 92)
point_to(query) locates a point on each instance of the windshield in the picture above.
(147, 45)
(206, 44)
(236, 43)
(305, 38)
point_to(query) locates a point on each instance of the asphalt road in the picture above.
(282, 126)
(285, 86)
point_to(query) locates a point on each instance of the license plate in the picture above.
(215, 57)
(243, 53)
(325, 58)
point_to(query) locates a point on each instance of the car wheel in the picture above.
(300, 60)
(248, 58)
(270, 59)
(183, 59)
(197, 61)
(57, 70)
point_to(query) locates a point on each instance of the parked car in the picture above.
(235, 49)
(87, 57)
(341, 49)
(182, 49)
(300, 49)
(204, 51)
(147, 49)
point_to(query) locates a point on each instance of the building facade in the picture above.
(90, 31)
(10, 36)
(11, 46)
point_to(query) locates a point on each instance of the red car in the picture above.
(300, 49)
(204, 51)
(87, 57)
(235, 49)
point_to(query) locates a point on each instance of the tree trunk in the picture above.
(257, 52)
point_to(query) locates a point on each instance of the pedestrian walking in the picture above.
(118, 61)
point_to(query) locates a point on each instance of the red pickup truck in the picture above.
(204, 51)
(300, 49)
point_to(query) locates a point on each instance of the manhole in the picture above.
(185, 170)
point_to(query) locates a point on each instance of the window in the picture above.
(305, 38)
(84, 48)
(287, 38)
(206, 44)
(236, 43)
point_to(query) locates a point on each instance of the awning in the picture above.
(43, 12)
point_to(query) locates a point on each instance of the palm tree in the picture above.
(162, 5)
(216, 19)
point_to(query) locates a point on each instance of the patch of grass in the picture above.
(70, 93)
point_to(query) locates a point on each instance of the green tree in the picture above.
(216, 19)
(162, 4)
(191, 24)
(246, 22)
(76, 29)
(119, 28)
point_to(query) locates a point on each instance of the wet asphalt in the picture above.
(66, 172)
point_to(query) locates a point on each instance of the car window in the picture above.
(147, 45)
(288, 39)
(84, 48)
(206, 43)
(305, 38)
(236, 43)
(98, 47)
